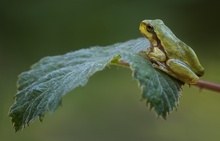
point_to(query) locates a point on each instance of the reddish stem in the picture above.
(208, 85)
(200, 84)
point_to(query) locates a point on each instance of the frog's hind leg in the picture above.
(182, 71)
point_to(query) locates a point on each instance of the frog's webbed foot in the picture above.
(146, 51)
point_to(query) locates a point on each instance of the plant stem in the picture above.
(208, 85)
(201, 84)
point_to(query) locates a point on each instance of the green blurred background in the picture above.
(108, 108)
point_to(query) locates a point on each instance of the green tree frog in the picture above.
(170, 54)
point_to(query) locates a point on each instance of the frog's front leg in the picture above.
(158, 58)
(182, 71)
(155, 54)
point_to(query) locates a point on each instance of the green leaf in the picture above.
(161, 91)
(41, 89)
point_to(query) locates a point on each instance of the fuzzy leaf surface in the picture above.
(42, 87)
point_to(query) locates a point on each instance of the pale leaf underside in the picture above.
(42, 87)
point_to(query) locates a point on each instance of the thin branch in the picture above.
(200, 84)
(208, 85)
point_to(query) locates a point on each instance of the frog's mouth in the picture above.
(150, 35)
(143, 30)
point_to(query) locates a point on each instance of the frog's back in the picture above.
(183, 52)
(191, 58)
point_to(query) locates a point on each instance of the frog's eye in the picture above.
(150, 28)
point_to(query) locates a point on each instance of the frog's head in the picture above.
(148, 28)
